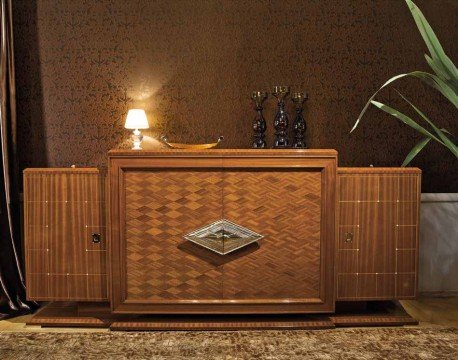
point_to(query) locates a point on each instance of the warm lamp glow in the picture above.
(136, 119)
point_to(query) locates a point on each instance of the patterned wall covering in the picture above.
(192, 65)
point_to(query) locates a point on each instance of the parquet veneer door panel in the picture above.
(160, 207)
(57, 242)
(386, 227)
(287, 263)
(158, 197)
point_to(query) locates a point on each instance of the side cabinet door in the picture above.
(378, 232)
(63, 208)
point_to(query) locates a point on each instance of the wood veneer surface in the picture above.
(156, 198)
(63, 207)
(256, 153)
(379, 208)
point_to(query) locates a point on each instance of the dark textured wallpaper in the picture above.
(193, 64)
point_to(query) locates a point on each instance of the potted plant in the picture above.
(439, 212)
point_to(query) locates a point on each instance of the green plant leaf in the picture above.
(439, 70)
(441, 60)
(446, 141)
(430, 79)
(437, 83)
(415, 150)
(394, 78)
(405, 119)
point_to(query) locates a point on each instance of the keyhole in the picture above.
(96, 238)
(348, 237)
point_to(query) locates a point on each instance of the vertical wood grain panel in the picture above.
(347, 261)
(348, 214)
(405, 285)
(347, 285)
(377, 237)
(387, 235)
(348, 237)
(386, 286)
(56, 234)
(406, 261)
(389, 188)
(407, 213)
(37, 286)
(408, 188)
(367, 286)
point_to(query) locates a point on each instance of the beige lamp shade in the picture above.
(136, 119)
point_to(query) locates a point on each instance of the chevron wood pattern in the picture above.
(161, 207)
(380, 209)
(158, 197)
(285, 207)
(63, 207)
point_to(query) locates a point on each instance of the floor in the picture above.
(430, 311)
(434, 310)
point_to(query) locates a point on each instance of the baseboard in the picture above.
(439, 294)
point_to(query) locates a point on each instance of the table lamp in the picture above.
(135, 120)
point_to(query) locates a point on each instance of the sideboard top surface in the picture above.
(224, 153)
(378, 170)
(69, 170)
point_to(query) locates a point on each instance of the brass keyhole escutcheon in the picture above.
(348, 237)
(96, 238)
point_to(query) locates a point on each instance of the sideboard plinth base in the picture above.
(228, 323)
(73, 314)
(98, 315)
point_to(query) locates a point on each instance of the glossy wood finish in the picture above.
(377, 252)
(157, 197)
(224, 323)
(62, 209)
(97, 315)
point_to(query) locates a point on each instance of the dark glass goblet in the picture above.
(299, 124)
(259, 123)
(281, 118)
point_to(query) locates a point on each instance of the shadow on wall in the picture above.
(29, 92)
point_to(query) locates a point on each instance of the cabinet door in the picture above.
(284, 206)
(161, 206)
(63, 208)
(377, 247)
(291, 204)
(157, 203)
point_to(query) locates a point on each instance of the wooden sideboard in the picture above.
(328, 234)
(156, 198)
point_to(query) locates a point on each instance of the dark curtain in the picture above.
(12, 287)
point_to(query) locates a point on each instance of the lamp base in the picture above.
(137, 138)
